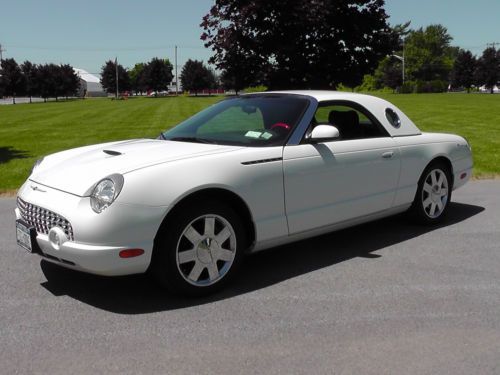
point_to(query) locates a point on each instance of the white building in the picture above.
(90, 85)
(483, 88)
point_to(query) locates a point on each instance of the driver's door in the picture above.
(331, 182)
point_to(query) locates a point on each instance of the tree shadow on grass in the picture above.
(9, 153)
(139, 294)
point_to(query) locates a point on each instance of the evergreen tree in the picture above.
(464, 67)
(11, 79)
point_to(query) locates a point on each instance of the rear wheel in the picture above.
(433, 194)
(200, 249)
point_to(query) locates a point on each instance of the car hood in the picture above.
(76, 171)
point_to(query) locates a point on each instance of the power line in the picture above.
(105, 49)
(494, 44)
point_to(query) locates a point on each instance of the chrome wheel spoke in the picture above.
(433, 209)
(440, 180)
(444, 192)
(427, 202)
(209, 227)
(213, 272)
(433, 178)
(196, 271)
(427, 188)
(187, 256)
(439, 205)
(225, 255)
(192, 235)
(223, 235)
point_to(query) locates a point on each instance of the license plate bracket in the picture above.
(26, 237)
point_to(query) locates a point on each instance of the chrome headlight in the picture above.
(35, 166)
(105, 192)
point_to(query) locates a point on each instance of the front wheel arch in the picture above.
(219, 195)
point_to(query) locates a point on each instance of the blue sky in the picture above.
(86, 33)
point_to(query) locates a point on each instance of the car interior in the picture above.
(350, 122)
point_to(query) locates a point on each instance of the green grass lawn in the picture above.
(473, 116)
(30, 131)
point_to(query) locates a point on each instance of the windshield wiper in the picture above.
(191, 139)
(161, 136)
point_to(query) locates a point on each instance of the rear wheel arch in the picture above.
(422, 202)
(444, 160)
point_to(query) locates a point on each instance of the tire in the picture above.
(199, 249)
(433, 196)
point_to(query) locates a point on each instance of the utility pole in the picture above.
(494, 44)
(404, 60)
(1, 52)
(176, 77)
(116, 75)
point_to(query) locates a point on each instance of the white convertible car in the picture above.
(246, 174)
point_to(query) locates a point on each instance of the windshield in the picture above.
(256, 120)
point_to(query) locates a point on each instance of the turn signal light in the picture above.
(130, 253)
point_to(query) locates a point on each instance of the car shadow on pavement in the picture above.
(138, 294)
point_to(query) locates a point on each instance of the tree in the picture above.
(464, 67)
(488, 69)
(70, 82)
(29, 72)
(196, 77)
(389, 73)
(11, 79)
(108, 77)
(158, 74)
(297, 43)
(45, 80)
(213, 80)
(137, 78)
(428, 54)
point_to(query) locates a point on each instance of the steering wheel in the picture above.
(281, 125)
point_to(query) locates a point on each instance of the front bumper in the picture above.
(98, 238)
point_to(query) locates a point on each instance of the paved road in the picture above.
(382, 298)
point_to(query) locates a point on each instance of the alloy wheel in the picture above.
(206, 250)
(435, 193)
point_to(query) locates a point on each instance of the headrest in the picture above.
(340, 118)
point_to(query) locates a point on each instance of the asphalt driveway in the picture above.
(387, 297)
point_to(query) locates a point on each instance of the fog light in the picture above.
(130, 253)
(57, 237)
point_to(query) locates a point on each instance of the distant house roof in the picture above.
(86, 76)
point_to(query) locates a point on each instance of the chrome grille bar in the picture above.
(42, 219)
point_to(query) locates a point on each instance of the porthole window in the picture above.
(393, 117)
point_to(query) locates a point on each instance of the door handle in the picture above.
(388, 154)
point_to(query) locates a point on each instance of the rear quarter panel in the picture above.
(419, 150)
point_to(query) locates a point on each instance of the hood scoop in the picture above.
(111, 152)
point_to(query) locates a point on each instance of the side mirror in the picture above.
(324, 133)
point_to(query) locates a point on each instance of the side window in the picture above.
(393, 117)
(351, 122)
(231, 120)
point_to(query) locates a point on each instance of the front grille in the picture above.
(42, 219)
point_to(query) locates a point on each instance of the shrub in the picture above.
(251, 89)
(407, 88)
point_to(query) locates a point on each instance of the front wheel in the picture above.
(433, 194)
(199, 250)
